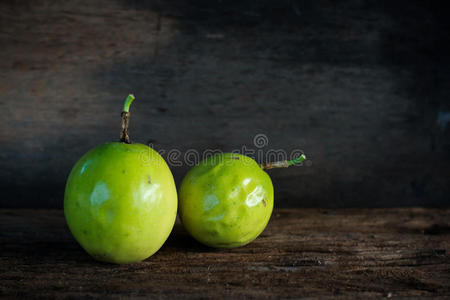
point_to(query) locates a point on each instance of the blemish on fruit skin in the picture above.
(123, 171)
(149, 179)
(217, 218)
(210, 201)
(264, 202)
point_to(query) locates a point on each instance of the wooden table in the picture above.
(349, 253)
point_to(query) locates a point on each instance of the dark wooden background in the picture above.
(361, 86)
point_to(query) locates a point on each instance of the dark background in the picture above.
(362, 87)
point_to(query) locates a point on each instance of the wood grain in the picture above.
(315, 253)
(360, 86)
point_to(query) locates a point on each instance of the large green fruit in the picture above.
(121, 202)
(226, 200)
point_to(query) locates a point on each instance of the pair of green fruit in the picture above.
(121, 201)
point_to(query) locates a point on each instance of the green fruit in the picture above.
(120, 202)
(226, 200)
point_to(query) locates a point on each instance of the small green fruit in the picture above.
(226, 200)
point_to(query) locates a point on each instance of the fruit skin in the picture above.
(226, 201)
(120, 202)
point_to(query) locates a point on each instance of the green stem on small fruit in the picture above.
(124, 137)
(283, 163)
(297, 160)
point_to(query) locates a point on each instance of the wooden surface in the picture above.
(312, 253)
(360, 86)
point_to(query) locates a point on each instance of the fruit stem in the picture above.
(283, 163)
(124, 137)
(126, 105)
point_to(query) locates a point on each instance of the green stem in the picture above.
(297, 160)
(126, 105)
(124, 137)
(283, 163)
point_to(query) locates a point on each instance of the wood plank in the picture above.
(349, 253)
(361, 87)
